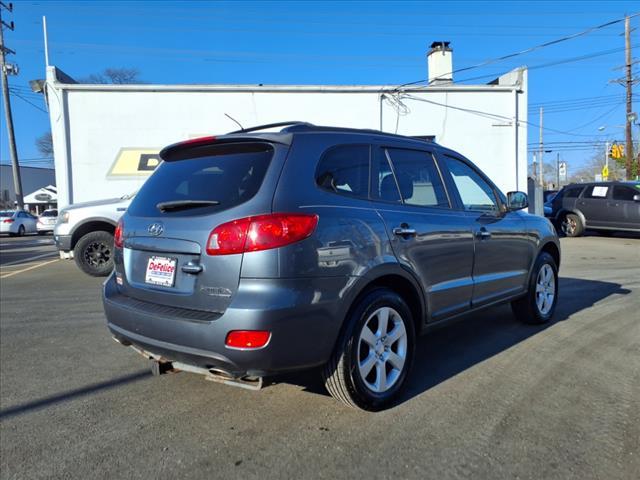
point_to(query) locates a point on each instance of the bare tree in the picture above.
(44, 143)
(114, 75)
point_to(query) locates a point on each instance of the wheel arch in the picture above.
(395, 278)
(552, 249)
(91, 225)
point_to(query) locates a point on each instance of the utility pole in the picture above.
(541, 152)
(558, 171)
(629, 83)
(17, 181)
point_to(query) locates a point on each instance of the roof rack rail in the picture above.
(271, 125)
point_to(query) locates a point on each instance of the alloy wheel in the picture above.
(382, 349)
(545, 289)
(97, 254)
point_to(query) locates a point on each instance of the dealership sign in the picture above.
(135, 162)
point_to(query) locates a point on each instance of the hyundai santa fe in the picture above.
(255, 253)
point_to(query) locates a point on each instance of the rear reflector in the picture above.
(118, 236)
(263, 232)
(247, 338)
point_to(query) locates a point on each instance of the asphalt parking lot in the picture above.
(488, 396)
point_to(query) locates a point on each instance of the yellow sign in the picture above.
(605, 172)
(138, 162)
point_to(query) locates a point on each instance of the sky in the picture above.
(349, 42)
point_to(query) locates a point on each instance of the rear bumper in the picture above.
(303, 316)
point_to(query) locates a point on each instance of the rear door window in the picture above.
(572, 192)
(344, 169)
(598, 192)
(418, 178)
(219, 176)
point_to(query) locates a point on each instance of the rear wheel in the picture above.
(94, 253)
(373, 356)
(21, 230)
(538, 305)
(572, 226)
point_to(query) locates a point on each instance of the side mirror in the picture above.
(636, 197)
(517, 200)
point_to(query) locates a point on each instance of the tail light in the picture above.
(247, 338)
(118, 236)
(263, 232)
(8, 220)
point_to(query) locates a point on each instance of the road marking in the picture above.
(29, 268)
(26, 260)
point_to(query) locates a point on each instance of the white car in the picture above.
(17, 222)
(46, 221)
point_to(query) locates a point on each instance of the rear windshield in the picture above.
(6, 213)
(213, 178)
(49, 213)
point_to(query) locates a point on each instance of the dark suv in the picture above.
(602, 206)
(254, 253)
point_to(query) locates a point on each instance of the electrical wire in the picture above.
(527, 50)
(30, 103)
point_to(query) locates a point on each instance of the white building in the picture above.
(33, 178)
(106, 137)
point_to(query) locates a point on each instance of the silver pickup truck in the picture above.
(84, 231)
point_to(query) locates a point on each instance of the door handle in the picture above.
(192, 268)
(483, 234)
(404, 231)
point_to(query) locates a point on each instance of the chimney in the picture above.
(440, 63)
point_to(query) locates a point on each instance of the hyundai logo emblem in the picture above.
(156, 229)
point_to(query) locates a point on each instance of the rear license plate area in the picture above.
(161, 271)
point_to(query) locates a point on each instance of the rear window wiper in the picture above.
(185, 204)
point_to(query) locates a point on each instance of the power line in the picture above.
(527, 50)
(30, 103)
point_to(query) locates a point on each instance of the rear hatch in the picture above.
(167, 226)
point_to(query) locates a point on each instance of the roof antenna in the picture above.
(229, 116)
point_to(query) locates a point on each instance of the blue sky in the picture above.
(333, 43)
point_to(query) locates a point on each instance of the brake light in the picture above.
(263, 232)
(8, 220)
(118, 236)
(247, 338)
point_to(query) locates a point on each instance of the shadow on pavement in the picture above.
(72, 394)
(440, 354)
(452, 349)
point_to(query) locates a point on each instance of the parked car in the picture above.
(601, 206)
(84, 231)
(547, 195)
(251, 254)
(46, 221)
(17, 222)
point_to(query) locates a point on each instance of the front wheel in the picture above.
(538, 305)
(94, 253)
(21, 231)
(374, 354)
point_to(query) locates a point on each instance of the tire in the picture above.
(534, 308)
(21, 231)
(93, 253)
(42, 233)
(571, 225)
(344, 375)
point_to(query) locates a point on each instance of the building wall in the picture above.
(102, 133)
(32, 179)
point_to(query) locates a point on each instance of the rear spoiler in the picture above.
(176, 151)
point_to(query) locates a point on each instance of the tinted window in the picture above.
(345, 169)
(572, 192)
(229, 174)
(6, 213)
(475, 192)
(624, 193)
(418, 178)
(49, 213)
(597, 192)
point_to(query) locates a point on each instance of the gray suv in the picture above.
(603, 206)
(252, 254)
